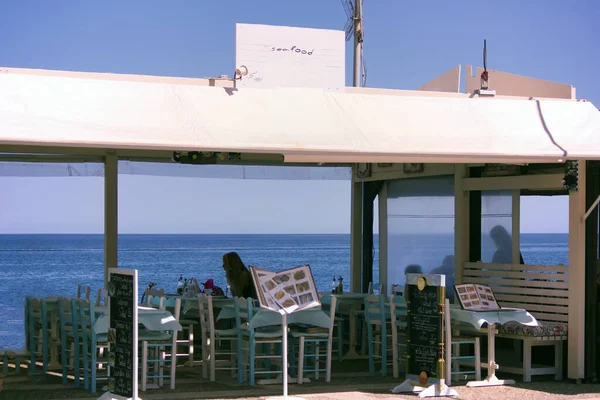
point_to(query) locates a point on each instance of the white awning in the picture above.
(305, 125)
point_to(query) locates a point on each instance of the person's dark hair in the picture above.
(413, 269)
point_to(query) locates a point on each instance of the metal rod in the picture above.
(357, 43)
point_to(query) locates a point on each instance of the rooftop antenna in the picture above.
(485, 77)
(353, 9)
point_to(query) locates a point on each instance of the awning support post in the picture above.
(111, 200)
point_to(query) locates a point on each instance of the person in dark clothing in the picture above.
(503, 242)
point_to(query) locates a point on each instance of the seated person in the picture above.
(447, 269)
(238, 276)
(503, 242)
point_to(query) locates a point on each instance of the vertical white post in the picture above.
(356, 236)
(576, 319)
(383, 239)
(284, 351)
(461, 223)
(516, 226)
(111, 199)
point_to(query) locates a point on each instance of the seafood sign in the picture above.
(284, 56)
(286, 291)
(122, 334)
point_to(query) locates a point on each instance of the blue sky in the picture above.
(407, 43)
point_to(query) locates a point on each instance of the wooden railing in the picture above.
(542, 290)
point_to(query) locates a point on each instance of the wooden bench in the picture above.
(541, 290)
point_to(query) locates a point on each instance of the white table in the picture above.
(151, 318)
(477, 319)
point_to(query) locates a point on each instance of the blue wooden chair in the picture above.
(156, 345)
(455, 361)
(377, 319)
(70, 342)
(38, 331)
(210, 335)
(399, 325)
(91, 343)
(256, 330)
(310, 344)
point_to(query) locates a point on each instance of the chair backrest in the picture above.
(87, 291)
(243, 311)
(87, 318)
(375, 288)
(398, 311)
(101, 297)
(173, 305)
(375, 310)
(153, 297)
(79, 291)
(398, 290)
(330, 301)
(207, 320)
(65, 313)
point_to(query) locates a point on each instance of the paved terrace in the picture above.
(344, 385)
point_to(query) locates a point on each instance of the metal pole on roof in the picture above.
(358, 39)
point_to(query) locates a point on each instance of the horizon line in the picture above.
(244, 233)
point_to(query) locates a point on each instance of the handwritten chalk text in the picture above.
(294, 49)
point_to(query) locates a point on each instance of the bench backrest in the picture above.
(540, 289)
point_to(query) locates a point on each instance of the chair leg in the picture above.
(558, 360)
(212, 360)
(251, 360)
(300, 372)
(76, 360)
(526, 361)
(328, 367)
(205, 357)
(86, 372)
(340, 340)
(144, 365)
(173, 365)
(384, 340)
(63, 356)
(477, 360)
(240, 361)
(371, 353)
(93, 367)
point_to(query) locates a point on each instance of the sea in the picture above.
(53, 265)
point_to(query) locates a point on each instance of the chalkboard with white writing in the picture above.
(425, 329)
(121, 334)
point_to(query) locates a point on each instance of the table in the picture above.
(354, 301)
(151, 318)
(191, 303)
(477, 319)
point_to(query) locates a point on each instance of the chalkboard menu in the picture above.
(425, 327)
(122, 334)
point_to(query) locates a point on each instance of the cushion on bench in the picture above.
(547, 329)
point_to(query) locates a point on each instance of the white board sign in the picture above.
(290, 57)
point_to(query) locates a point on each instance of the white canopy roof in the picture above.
(45, 108)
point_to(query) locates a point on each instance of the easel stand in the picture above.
(284, 351)
(491, 379)
(435, 390)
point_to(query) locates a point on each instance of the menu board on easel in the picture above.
(122, 334)
(285, 291)
(425, 294)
